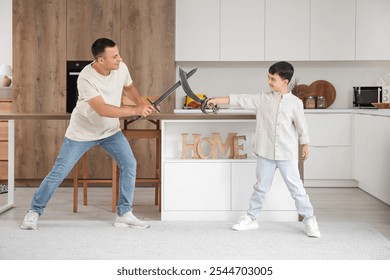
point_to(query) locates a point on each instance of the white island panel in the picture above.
(215, 189)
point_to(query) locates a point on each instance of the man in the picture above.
(95, 121)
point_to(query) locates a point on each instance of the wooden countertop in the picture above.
(66, 116)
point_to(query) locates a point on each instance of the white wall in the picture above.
(222, 78)
(6, 32)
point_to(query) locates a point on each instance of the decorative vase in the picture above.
(6, 82)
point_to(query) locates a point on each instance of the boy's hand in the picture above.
(305, 151)
(211, 103)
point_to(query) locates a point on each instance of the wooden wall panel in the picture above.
(147, 47)
(88, 20)
(46, 33)
(39, 62)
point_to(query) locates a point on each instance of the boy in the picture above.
(280, 126)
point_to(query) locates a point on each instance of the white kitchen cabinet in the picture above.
(329, 129)
(197, 186)
(330, 149)
(329, 163)
(332, 30)
(372, 155)
(214, 189)
(242, 30)
(372, 29)
(287, 30)
(197, 30)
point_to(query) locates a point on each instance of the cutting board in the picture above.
(301, 91)
(323, 88)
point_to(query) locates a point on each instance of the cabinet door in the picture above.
(372, 155)
(332, 30)
(329, 129)
(372, 29)
(242, 30)
(329, 163)
(287, 41)
(197, 30)
(196, 186)
(243, 180)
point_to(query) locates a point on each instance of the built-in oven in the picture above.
(73, 69)
(363, 97)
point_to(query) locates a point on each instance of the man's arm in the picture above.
(132, 93)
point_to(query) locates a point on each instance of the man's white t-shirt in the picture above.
(85, 123)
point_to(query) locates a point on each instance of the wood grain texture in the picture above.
(147, 47)
(87, 21)
(39, 85)
(47, 33)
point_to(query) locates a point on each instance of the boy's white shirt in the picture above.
(280, 123)
(85, 124)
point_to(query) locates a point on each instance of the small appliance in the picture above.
(385, 94)
(73, 69)
(364, 96)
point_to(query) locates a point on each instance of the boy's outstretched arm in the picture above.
(218, 100)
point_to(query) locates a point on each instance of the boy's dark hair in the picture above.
(99, 46)
(284, 69)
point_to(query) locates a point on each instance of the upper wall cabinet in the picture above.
(332, 30)
(287, 30)
(272, 30)
(242, 30)
(372, 29)
(197, 30)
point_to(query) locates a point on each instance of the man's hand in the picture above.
(145, 109)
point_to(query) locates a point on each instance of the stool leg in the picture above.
(75, 188)
(114, 184)
(85, 177)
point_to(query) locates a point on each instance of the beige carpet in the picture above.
(78, 240)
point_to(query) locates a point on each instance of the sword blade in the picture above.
(169, 91)
(172, 89)
(186, 86)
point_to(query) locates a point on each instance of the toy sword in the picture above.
(168, 92)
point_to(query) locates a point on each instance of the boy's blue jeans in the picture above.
(265, 171)
(71, 151)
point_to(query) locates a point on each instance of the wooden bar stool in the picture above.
(84, 180)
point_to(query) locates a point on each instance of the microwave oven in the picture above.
(364, 96)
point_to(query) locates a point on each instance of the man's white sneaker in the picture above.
(245, 223)
(30, 220)
(312, 227)
(129, 220)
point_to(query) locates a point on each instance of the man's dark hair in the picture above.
(99, 46)
(284, 69)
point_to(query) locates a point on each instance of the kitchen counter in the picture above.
(185, 114)
(373, 112)
(156, 116)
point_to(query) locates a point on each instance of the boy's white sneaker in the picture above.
(129, 220)
(245, 222)
(312, 227)
(30, 220)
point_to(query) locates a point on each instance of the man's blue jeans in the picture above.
(71, 151)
